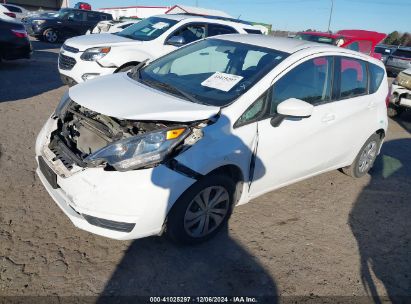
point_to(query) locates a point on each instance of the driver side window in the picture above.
(310, 81)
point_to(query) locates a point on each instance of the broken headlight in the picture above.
(139, 151)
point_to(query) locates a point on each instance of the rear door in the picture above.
(355, 110)
(74, 24)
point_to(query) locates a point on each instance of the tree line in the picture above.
(396, 38)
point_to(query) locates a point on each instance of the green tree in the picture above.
(405, 39)
(393, 38)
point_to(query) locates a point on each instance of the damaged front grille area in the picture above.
(81, 132)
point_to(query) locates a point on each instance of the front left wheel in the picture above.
(202, 210)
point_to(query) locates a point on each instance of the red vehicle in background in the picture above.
(83, 6)
(356, 40)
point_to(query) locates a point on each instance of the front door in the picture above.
(298, 147)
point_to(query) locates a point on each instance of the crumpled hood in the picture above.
(98, 40)
(121, 97)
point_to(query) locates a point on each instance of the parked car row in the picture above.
(174, 144)
(86, 57)
(63, 24)
(357, 40)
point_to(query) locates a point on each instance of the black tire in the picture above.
(176, 227)
(51, 36)
(358, 168)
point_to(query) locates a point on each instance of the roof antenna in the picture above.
(239, 17)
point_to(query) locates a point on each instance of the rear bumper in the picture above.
(17, 52)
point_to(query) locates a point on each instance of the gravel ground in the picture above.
(327, 236)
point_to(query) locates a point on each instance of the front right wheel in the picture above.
(365, 158)
(202, 210)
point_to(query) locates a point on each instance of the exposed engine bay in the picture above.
(81, 132)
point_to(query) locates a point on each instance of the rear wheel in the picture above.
(51, 35)
(202, 210)
(365, 158)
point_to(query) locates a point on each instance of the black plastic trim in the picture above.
(183, 170)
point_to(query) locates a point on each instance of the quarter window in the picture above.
(310, 81)
(353, 75)
(376, 77)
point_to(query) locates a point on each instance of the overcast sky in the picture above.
(293, 15)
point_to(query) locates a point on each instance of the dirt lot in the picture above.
(327, 236)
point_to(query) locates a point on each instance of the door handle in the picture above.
(328, 118)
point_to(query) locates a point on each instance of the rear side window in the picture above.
(402, 53)
(310, 81)
(250, 31)
(12, 8)
(93, 17)
(218, 29)
(376, 77)
(353, 75)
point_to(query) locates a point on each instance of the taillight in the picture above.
(387, 99)
(12, 15)
(20, 33)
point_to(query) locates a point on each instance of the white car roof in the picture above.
(221, 20)
(288, 45)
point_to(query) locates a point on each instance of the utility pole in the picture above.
(331, 14)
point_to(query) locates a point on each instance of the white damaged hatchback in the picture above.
(174, 145)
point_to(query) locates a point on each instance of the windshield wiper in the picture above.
(174, 89)
(135, 72)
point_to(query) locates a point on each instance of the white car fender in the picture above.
(126, 55)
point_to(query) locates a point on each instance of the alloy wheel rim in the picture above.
(51, 36)
(367, 157)
(206, 211)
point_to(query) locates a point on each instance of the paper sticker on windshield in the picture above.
(221, 81)
(160, 25)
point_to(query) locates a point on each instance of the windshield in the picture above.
(148, 29)
(315, 38)
(212, 71)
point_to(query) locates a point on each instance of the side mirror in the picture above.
(176, 41)
(292, 107)
(295, 108)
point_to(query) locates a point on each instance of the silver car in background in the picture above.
(399, 60)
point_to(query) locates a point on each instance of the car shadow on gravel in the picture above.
(26, 78)
(219, 267)
(380, 222)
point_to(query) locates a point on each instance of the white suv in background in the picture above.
(86, 57)
(175, 145)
